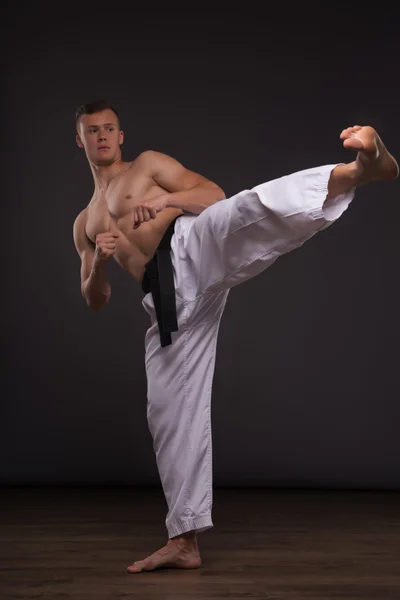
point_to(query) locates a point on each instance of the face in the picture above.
(100, 136)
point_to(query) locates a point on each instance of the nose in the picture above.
(102, 138)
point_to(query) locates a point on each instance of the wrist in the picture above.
(169, 201)
(99, 263)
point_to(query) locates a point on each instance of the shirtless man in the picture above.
(217, 243)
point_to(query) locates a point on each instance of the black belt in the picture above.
(159, 280)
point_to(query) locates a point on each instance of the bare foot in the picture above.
(373, 162)
(179, 553)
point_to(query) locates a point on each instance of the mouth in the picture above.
(103, 148)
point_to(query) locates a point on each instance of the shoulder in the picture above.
(79, 230)
(151, 155)
(154, 158)
(81, 219)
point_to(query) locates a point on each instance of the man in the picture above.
(169, 226)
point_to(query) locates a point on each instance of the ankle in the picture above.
(188, 535)
(343, 178)
(185, 539)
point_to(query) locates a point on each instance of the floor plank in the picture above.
(76, 542)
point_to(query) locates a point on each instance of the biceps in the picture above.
(173, 176)
(177, 179)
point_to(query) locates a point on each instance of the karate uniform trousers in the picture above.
(228, 243)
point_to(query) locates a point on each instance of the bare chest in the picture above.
(113, 209)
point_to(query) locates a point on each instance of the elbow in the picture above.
(219, 192)
(99, 304)
(96, 307)
(216, 193)
(95, 304)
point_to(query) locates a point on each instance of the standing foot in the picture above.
(181, 552)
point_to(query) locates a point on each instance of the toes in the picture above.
(353, 143)
(135, 568)
(349, 131)
(345, 133)
(141, 565)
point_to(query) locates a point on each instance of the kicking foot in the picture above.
(373, 162)
(179, 553)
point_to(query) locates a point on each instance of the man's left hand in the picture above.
(145, 211)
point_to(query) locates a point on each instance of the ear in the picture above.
(121, 138)
(79, 141)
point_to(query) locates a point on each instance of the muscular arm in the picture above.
(94, 285)
(186, 189)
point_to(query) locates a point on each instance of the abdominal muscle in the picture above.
(134, 247)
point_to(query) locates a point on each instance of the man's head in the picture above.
(99, 133)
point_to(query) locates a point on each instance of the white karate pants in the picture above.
(228, 243)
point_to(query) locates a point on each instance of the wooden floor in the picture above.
(76, 543)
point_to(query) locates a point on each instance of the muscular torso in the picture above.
(113, 210)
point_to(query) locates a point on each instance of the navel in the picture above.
(128, 196)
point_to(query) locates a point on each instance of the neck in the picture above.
(102, 175)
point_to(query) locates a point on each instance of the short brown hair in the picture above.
(94, 107)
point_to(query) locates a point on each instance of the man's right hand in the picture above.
(105, 245)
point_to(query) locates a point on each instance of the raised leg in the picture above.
(238, 238)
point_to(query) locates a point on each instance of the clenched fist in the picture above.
(105, 245)
(145, 211)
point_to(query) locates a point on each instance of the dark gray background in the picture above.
(306, 389)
